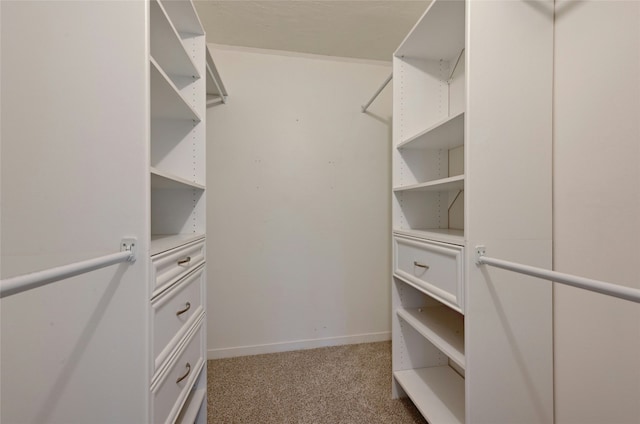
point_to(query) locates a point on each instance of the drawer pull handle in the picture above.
(187, 306)
(186, 374)
(184, 261)
(421, 265)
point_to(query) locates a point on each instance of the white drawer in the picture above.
(173, 264)
(171, 389)
(174, 312)
(432, 267)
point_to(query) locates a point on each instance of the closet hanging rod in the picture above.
(219, 86)
(384, 84)
(21, 283)
(622, 292)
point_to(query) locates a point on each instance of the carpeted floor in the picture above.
(343, 384)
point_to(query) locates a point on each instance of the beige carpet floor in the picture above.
(343, 384)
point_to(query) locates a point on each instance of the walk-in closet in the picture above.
(380, 211)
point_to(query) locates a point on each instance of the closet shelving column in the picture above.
(177, 155)
(428, 215)
(177, 295)
(472, 166)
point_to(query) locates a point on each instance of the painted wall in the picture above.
(597, 209)
(298, 211)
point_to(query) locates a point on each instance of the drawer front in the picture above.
(174, 312)
(172, 388)
(173, 264)
(434, 268)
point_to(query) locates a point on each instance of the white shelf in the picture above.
(184, 17)
(442, 326)
(166, 45)
(439, 34)
(161, 179)
(166, 100)
(446, 134)
(163, 242)
(437, 392)
(444, 184)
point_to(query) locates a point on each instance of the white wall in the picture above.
(597, 209)
(299, 220)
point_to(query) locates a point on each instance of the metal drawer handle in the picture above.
(187, 306)
(186, 375)
(421, 265)
(184, 261)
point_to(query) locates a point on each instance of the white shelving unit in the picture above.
(471, 166)
(123, 132)
(177, 64)
(178, 96)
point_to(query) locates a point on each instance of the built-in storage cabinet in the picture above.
(428, 214)
(122, 129)
(177, 176)
(455, 328)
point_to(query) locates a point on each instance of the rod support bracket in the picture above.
(480, 252)
(130, 245)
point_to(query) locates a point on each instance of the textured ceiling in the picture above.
(360, 29)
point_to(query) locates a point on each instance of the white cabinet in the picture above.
(471, 166)
(177, 289)
(115, 148)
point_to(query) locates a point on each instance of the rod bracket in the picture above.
(480, 251)
(129, 245)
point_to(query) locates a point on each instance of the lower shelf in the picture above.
(437, 392)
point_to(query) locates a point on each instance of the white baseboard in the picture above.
(230, 352)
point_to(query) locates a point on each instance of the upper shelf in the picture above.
(166, 46)
(184, 17)
(446, 134)
(166, 100)
(444, 184)
(215, 87)
(439, 34)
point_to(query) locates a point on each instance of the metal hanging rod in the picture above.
(384, 84)
(219, 86)
(622, 292)
(14, 285)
